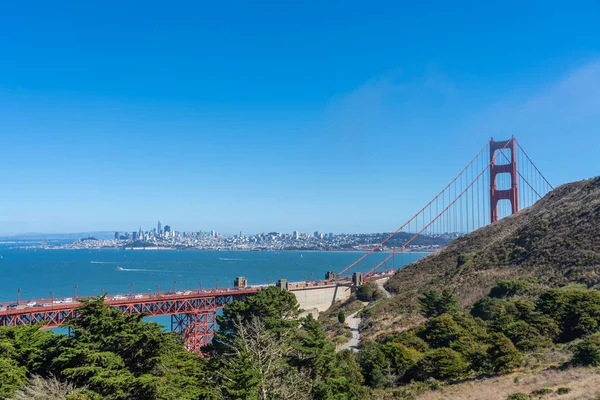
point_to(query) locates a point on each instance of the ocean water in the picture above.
(38, 272)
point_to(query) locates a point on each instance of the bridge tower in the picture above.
(511, 194)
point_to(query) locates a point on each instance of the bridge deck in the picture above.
(192, 312)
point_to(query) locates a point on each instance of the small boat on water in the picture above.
(119, 269)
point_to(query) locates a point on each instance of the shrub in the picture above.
(368, 292)
(12, 376)
(341, 317)
(541, 392)
(563, 390)
(443, 364)
(372, 361)
(474, 352)
(410, 339)
(587, 351)
(525, 336)
(49, 388)
(577, 312)
(441, 331)
(508, 288)
(367, 312)
(400, 357)
(487, 308)
(504, 356)
(339, 339)
(434, 304)
(518, 396)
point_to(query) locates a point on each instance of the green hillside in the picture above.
(556, 241)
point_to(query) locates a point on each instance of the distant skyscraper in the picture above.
(167, 228)
(116, 235)
(159, 231)
(296, 234)
(134, 236)
(316, 233)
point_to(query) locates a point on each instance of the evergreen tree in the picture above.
(434, 304)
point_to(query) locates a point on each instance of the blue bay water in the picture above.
(38, 272)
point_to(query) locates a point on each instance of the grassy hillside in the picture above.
(556, 241)
(569, 384)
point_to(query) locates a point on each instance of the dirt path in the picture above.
(380, 283)
(353, 321)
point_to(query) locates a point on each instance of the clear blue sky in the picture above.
(339, 116)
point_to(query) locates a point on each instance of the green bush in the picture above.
(443, 364)
(525, 336)
(341, 317)
(434, 304)
(12, 376)
(508, 288)
(474, 352)
(563, 390)
(488, 308)
(519, 320)
(587, 351)
(518, 396)
(368, 292)
(441, 331)
(504, 356)
(541, 392)
(410, 339)
(399, 357)
(372, 362)
(577, 312)
(339, 339)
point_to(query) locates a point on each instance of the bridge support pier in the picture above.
(197, 328)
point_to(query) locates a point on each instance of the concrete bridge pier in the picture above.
(318, 297)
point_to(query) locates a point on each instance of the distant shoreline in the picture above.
(216, 250)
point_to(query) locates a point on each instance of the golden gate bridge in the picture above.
(499, 181)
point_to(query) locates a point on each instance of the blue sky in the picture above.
(268, 115)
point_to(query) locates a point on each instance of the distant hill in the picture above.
(58, 236)
(556, 241)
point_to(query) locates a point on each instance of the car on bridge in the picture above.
(12, 306)
(30, 304)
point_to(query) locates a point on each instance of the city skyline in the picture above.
(278, 117)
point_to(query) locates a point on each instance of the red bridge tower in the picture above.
(511, 194)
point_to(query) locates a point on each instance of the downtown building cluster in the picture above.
(167, 238)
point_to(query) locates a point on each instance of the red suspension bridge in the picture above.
(492, 186)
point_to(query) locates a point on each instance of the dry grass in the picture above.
(583, 382)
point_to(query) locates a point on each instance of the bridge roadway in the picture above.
(193, 312)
